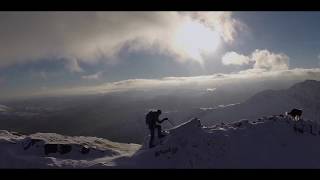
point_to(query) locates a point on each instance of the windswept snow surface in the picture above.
(268, 142)
(4, 108)
(50, 150)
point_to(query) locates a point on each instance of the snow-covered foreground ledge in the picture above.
(50, 150)
(270, 142)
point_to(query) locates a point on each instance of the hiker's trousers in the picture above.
(152, 133)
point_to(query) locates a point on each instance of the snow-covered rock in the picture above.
(269, 142)
(4, 108)
(50, 150)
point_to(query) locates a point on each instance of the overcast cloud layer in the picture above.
(92, 36)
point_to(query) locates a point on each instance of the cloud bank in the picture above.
(279, 78)
(92, 36)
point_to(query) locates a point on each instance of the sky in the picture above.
(70, 52)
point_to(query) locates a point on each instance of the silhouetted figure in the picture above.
(295, 113)
(152, 118)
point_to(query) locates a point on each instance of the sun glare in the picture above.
(194, 39)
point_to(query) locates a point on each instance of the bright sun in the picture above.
(194, 38)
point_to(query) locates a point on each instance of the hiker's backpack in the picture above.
(149, 117)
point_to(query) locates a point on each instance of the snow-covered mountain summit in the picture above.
(268, 142)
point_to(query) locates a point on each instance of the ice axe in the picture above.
(170, 122)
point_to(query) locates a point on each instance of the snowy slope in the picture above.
(4, 108)
(273, 142)
(49, 150)
(269, 142)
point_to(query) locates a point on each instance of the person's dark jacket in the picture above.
(155, 119)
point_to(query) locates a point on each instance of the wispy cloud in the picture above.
(92, 76)
(211, 89)
(73, 66)
(222, 22)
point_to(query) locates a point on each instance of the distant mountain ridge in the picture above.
(304, 95)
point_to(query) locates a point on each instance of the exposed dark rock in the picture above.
(31, 143)
(50, 148)
(238, 124)
(16, 133)
(64, 148)
(55, 148)
(85, 150)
